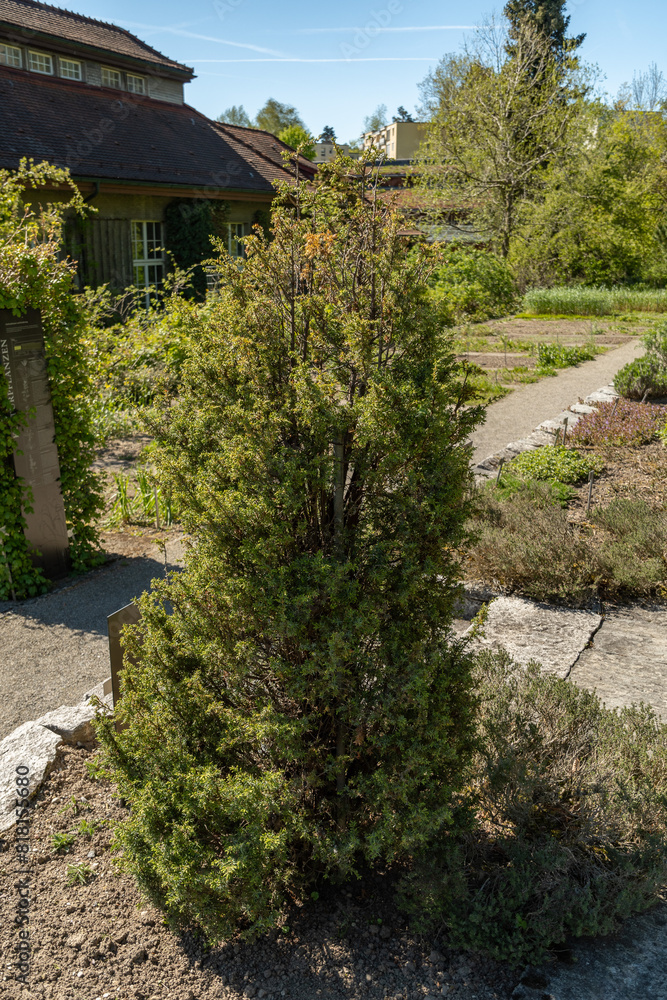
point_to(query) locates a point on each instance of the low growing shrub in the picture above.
(553, 356)
(641, 379)
(555, 464)
(531, 549)
(646, 377)
(568, 831)
(525, 543)
(621, 423)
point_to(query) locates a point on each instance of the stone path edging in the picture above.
(545, 432)
(35, 745)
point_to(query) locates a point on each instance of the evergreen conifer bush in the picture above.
(295, 705)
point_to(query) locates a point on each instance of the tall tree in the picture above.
(549, 17)
(299, 138)
(328, 134)
(236, 115)
(497, 116)
(376, 120)
(275, 117)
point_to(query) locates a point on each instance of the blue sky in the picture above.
(337, 62)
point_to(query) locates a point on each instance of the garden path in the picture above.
(55, 648)
(516, 415)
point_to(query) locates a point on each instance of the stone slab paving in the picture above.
(630, 965)
(528, 631)
(627, 660)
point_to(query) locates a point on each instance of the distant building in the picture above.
(90, 96)
(326, 151)
(398, 141)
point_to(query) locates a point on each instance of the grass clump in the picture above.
(621, 423)
(567, 823)
(555, 464)
(591, 301)
(525, 543)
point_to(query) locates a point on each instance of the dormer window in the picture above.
(112, 78)
(40, 62)
(136, 84)
(70, 69)
(10, 55)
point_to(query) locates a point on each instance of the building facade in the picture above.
(398, 141)
(90, 96)
(325, 152)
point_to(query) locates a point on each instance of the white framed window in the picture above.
(147, 254)
(136, 84)
(235, 230)
(40, 62)
(70, 69)
(10, 55)
(112, 78)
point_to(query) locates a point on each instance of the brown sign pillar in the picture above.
(35, 456)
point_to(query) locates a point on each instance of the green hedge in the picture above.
(33, 275)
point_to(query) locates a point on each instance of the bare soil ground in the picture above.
(638, 473)
(97, 939)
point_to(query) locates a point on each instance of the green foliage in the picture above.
(593, 301)
(569, 835)
(539, 493)
(33, 274)
(550, 357)
(299, 138)
(597, 218)
(137, 361)
(275, 117)
(646, 378)
(555, 464)
(62, 841)
(473, 285)
(643, 378)
(549, 18)
(525, 543)
(79, 874)
(190, 223)
(236, 115)
(293, 705)
(498, 113)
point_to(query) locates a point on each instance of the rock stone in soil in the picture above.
(631, 965)
(31, 746)
(554, 637)
(627, 661)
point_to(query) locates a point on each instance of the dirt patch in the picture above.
(566, 331)
(121, 456)
(499, 359)
(638, 473)
(99, 939)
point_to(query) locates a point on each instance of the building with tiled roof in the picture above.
(92, 97)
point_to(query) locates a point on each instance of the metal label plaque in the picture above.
(35, 455)
(129, 615)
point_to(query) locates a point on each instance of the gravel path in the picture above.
(55, 648)
(518, 414)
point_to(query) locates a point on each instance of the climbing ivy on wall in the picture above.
(34, 274)
(189, 225)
